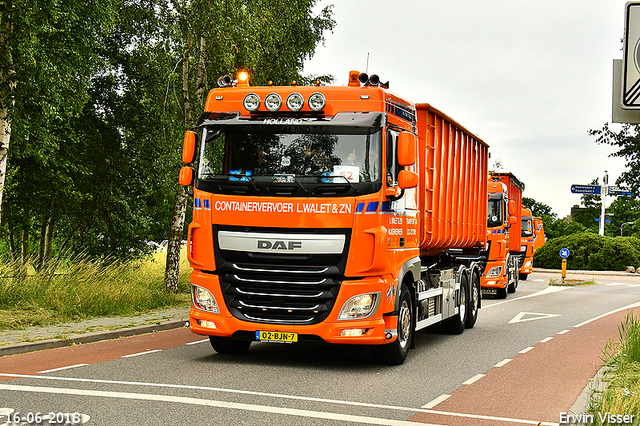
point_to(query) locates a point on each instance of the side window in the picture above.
(393, 168)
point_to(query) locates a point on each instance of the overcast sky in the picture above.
(529, 78)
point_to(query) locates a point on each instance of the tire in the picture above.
(524, 277)
(516, 271)
(395, 353)
(473, 305)
(501, 293)
(455, 324)
(229, 346)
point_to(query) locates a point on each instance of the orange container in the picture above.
(454, 184)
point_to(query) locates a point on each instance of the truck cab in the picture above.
(532, 237)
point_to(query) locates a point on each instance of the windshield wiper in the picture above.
(244, 178)
(345, 178)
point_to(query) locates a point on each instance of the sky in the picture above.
(529, 78)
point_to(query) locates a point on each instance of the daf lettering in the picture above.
(279, 245)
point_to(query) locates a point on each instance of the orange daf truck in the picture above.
(503, 234)
(532, 238)
(336, 214)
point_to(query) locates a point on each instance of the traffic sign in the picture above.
(631, 58)
(564, 253)
(585, 189)
(616, 190)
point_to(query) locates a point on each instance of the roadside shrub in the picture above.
(590, 251)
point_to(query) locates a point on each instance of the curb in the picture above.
(87, 338)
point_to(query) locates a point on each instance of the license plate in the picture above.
(276, 336)
(489, 291)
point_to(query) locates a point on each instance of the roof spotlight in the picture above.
(251, 102)
(273, 102)
(374, 80)
(295, 102)
(224, 81)
(317, 101)
(363, 78)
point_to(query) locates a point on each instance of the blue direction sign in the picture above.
(623, 192)
(564, 253)
(585, 189)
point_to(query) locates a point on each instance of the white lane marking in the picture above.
(563, 331)
(61, 368)
(525, 350)
(546, 340)
(293, 397)
(142, 353)
(503, 362)
(532, 317)
(634, 285)
(548, 290)
(633, 305)
(540, 280)
(196, 342)
(212, 403)
(473, 379)
(436, 401)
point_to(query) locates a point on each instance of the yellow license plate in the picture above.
(276, 336)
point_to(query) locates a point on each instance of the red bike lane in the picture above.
(536, 385)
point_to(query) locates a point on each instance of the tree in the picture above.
(48, 54)
(269, 38)
(627, 140)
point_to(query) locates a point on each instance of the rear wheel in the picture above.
(474, 300)
(229, 346)
(524, 277)
(395, 353)
(455, 324)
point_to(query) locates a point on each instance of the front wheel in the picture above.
(229, 346)
(395, 353)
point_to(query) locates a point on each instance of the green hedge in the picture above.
(590, 251)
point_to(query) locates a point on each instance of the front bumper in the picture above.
(379, 329)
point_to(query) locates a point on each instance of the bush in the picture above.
(590, 251)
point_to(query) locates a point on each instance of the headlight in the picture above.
(204, 300)
(273, 102)
(295, 102)
(251, 102)
(523, 248)
(496, 271)
(317, 101)
(528, 264)
(359, 307)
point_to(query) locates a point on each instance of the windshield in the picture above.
(258, 155)
(494, 213)
(527, 226)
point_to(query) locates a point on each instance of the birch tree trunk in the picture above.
(8, 82)
(172, 269)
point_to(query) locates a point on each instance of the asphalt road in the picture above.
(525, 361)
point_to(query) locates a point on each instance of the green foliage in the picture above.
(590, 251)
(622, 393)
(83, 288)
(99, 108)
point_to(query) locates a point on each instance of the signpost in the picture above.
(564, 253)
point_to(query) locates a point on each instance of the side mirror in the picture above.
(512, 206)
(186, 176)
(189, 147)
(407, 179)
(512, 219)
(406, 149)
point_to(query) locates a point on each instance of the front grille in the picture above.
(279, 288)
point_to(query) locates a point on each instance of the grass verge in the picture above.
(82, 289)
(622, 393)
